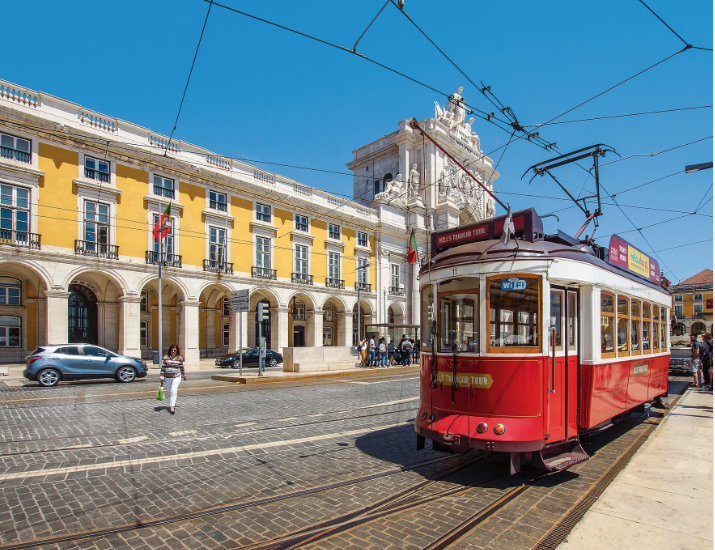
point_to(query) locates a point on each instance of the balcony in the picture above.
(218, 266)
(363, 287)
(98, 250)
(397, 291)
(169, 260)
(263, 273)
(15, 154)
(164, 192)
(334, 283)
(96, 175)
(22, 239)
(301, 278)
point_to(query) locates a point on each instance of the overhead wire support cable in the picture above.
(671, 28)
(622, 116)
(370, 25)
(658, 153)
(193, 62)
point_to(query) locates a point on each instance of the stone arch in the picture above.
(276, 325)
(336, 321)
(396, 313)
(216, 322)
(366, 311)
(23, 287)
(466, 217)
(698, 328)
(98, 281)
(175, 282)
(304, 322)
(173, 293)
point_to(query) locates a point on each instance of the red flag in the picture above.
(412, 250)
(163, 226)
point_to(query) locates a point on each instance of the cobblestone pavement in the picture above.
(95, 456)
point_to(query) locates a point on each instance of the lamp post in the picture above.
(697, 167)
(359, 286)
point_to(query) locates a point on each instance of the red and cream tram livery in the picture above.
(529, 344)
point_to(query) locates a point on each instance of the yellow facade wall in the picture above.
(192, 239)
(688, 303)
(57, 204)
(282, 247)
(242, 240)
(132, 227)
(319, 254)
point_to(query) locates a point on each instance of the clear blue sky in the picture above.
(261, 93)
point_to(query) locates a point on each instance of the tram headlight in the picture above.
(499, 429)
(482, 427)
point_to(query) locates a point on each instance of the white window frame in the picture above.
(678, 311)
(217, 194)
(296, 222)
(365, 236)
(6, 283)
(330, 231)
(678, 298)
(269, 252)
(697, 309)
(259, 212)
(144, 333)
(174, 186)
(34, 144)
(144, 302)
(331, 254)
(225, 335)
(305, 247)
(300, 311)
(227, 249)
(4, 332)
(362, 275)
(697, 297)
(155, 216)
(225, 307)
(15, 137)
(395, 268)
(110, 173)
(110, 225)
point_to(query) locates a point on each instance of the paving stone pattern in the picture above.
(41, 430)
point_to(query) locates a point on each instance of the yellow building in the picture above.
(693, 305)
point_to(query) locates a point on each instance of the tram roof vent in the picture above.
(527, 226)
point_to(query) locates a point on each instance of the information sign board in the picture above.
(513, 283)
(628, 257)
(240, 300)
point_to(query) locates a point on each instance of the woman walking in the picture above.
(172, 372)
(362, 348)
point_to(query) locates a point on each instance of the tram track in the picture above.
(471, 458)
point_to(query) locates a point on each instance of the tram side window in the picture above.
(656, 329)
(459, 317)
(571, 319)
(635, 327)
(557, 298)
(646, 328)
(514, 312)
(663, 328)
(622, 326)
(608, 315)
(427, 315)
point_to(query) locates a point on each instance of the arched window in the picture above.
(225, 306)
(9, 291)
(144, 303)
(328, 314)
(697, 328)
(10, 331)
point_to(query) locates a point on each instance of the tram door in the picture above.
(562, 365)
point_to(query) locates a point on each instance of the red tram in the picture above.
(527, 346)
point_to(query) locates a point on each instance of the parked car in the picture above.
(50, 364)
(250, 358)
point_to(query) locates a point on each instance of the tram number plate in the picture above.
(513, 283)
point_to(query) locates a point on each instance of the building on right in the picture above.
(692, 306)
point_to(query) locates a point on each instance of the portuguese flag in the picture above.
(163, 226)
(412, 250)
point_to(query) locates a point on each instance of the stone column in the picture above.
(107, 325)
(314, 336)
(235, 329)
(129, 319)
(189, 330)
(56, 311)
(210, 328)
(279, 328)
(345, 321)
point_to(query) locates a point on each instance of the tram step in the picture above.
(572, 454)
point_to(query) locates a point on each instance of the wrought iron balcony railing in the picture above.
(100, 250)
(363, 287)
(302, 278)
(218, 266)
(23, 239)
(15, 154)
(263, 273)
(96, 175)
(397, 291)
(334, 283)
(169, 260)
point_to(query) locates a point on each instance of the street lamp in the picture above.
(359, 286)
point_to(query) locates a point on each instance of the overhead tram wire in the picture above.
(705, 195)
(685, 244)
(488, 117)
(655, 154)
(193, 62)
(671, 29)
(622, 116)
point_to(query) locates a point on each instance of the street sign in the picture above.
(240, 300)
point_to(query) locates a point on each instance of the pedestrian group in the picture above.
(377, 354)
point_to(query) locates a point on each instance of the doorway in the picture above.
(82, 315)
(298, 336)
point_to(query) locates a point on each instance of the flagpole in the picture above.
(161, 254)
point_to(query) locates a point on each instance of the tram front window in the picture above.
(514, 312)
(427, 315)
(458, 323)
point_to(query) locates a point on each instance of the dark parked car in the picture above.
(250, 358)
(50, 364)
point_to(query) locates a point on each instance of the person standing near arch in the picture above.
(172, 373)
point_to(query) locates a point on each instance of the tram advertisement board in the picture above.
(627, 256)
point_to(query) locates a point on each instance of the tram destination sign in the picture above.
(626, 256)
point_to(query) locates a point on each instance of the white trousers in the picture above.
(172, 386)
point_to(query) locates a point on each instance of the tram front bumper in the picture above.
(463, 443)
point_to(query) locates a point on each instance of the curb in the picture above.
(237, 379)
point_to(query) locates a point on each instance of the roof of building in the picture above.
(702, 278)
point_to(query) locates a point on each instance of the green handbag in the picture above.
(160, 394)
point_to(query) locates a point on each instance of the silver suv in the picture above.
(50, 364)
